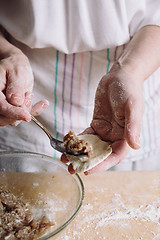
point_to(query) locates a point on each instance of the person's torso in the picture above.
(72, 26)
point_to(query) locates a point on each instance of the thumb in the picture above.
(16, 87)
(15, 92)
(133, 120)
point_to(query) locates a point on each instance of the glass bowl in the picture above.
(45, 184)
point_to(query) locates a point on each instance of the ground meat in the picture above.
(75, 145)
(16, 220)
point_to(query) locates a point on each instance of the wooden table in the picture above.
(118, 206)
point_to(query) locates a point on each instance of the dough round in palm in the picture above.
(101, 150)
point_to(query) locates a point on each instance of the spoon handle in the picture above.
(42, 127)
(56, 144)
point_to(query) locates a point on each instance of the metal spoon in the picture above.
(56, 144)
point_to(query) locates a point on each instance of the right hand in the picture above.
(16, 84)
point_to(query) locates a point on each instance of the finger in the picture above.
(133, 115)
(119, 152)
(4, 121)
(27, 105)
(39, 107)
(70, 167)
(15, 123)
(102, 128)
(71, 170)
(64, 158)
(15, 92)
(11, 112)
(28, 100)
(16, 85)
(88, 130)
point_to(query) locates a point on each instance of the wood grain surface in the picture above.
(118, 206)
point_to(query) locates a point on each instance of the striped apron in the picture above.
(69, 82)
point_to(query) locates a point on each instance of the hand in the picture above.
(118, 111)
(119, 103)
(16, 84)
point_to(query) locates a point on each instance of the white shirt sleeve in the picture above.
(79, 25)
(147, 14)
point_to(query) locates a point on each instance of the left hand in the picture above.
(118, 112)
(119, 102)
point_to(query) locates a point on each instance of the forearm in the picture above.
(142, 55)
(6, 47)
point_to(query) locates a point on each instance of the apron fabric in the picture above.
(69, 82)
(71, 45)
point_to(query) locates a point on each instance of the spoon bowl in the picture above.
(55, 143)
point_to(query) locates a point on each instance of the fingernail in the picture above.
(28, 103)
(18, 99)
(28, 94)
(44, 105)
(28, 100)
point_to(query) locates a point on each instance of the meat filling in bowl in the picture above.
(16, 219)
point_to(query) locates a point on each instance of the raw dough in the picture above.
(101, 150)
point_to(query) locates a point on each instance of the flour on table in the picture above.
(145, 213)
(118, 214)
